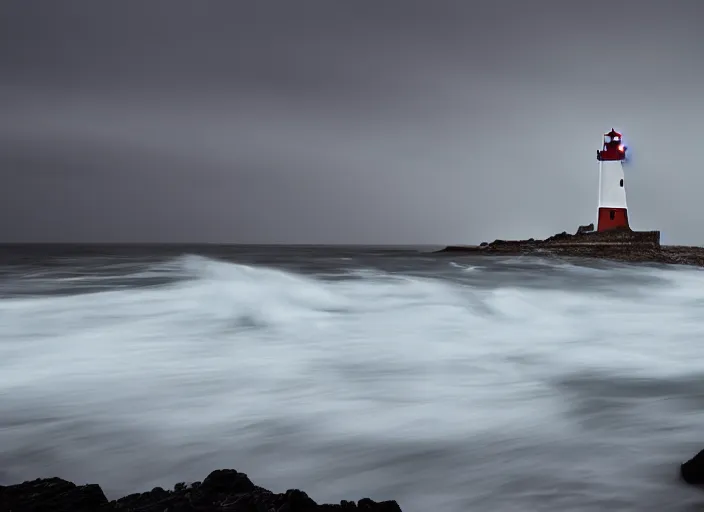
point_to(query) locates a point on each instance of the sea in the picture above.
(445, 382)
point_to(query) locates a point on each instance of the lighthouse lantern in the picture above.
(612, 148)
(613, 211)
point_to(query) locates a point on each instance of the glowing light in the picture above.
(621, 148)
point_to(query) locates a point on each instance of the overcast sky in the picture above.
(356, 121)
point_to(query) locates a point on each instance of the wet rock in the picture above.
(225, 490)
(52, 495)
(585, 229)
(692, 471)
(228, 481)
(623, 245)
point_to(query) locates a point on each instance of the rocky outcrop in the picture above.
(692, 471)
(615, 237)
(617, 244)
(581, 230)
(222, 490)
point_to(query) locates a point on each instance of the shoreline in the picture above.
(623, 245)
(222, 490)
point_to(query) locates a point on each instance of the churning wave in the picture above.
(468, 389)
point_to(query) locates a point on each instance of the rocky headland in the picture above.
(222, 490)
(618, 245)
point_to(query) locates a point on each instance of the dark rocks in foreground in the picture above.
(222, 490)
(692, 471)
(618, 245)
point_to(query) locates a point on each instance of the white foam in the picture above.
(466, 268)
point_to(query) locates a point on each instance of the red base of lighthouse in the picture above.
(612, 218)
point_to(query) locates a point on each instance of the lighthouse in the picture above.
(613, 211)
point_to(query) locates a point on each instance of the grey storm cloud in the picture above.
(377, 122)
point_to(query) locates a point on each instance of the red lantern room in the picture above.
(613, 148)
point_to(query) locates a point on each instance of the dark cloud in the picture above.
(342, 122)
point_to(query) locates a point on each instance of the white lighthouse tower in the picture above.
(613, 210)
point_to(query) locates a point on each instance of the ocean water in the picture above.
(448, 383)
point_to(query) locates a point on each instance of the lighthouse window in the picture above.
(612, 215)
(621, 182)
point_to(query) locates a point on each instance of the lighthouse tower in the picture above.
(613, 211)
